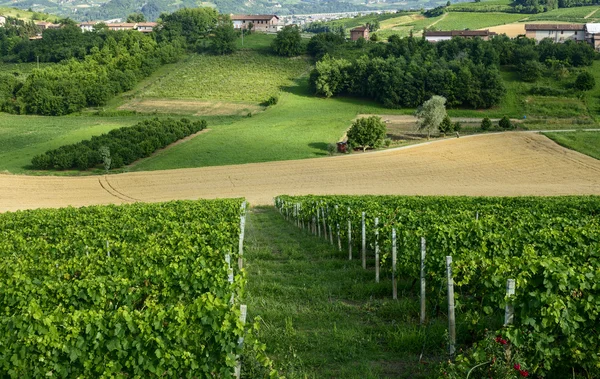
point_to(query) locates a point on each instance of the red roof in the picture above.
(359, 29)
(554, 26)
(460, 33)
(262, 17)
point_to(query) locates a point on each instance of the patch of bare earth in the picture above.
(506, 164)
(517, 29)
(195, 107)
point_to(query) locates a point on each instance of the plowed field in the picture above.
(507, 164)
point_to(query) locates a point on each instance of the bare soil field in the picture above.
(504, 164)
(194, 107)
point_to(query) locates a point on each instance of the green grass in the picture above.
(483, 6)
(472, 20)
(584, 142)
(324, 316)
(256, 41)
(23, 137)
(244, 76)
(26, 15)
(299, 126)
(575, 14)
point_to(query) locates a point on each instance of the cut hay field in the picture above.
(507, 164)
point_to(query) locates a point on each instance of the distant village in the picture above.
(558, 33)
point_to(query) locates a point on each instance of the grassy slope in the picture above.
(299, 126)
(25, 15)
(245, 76)
(324, 316)
(585, 142)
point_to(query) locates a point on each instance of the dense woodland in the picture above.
(407, 71)
(94, 66)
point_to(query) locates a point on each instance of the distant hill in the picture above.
(85, 10)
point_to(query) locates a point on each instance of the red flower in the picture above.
(517, 366)
(524, 373)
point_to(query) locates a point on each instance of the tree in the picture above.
(288, 42)
(505, 123)
(224, 36)
(446, 126)
(531, 70)
(486, 124)
(136, 17)
(585, 81)
(431, 114)
(367, 132)
(192, 24)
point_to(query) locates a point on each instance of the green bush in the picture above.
(272, 100)
(505, 123)
(486, 124)
(585, 81)
(367, 132)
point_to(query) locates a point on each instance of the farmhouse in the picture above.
(146, 27)
(122, 26)
(260, 22)
(2, 20)
(592, 35)
(557, 32)
(43, 25)
(87, 26)
(360, 31)
(436, 36)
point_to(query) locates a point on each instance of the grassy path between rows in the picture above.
(323, 316)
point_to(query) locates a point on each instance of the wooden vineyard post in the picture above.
(229, 273)
(477, 216)
(243, 314)
(422, 280)
(313, 227)
(330, 227)
(349, 236)
(107, 249)
(339, 238)
(318, 226)
(509, 311)
(394, 279)
(376, 249)
(324, 224)
(451, 318)
(364, 242)
(241, 241)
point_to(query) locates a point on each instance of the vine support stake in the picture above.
(509, 312)
(324, 223)
(364, 242)
(422, 280)
(243, 314)
(241, 242)
(318, 226)
(451, 318)
(330, 228)
(376, 249)
(349, 237)
(107, 249)
(394, 280)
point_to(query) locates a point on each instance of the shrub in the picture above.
(585, 81)
(331, 148)
(367, 132)
(288, 42)
(272, 100)
(505, 123)
(446, 126)
(486, 124)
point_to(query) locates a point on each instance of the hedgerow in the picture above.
(125, 145)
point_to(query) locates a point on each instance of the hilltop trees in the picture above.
(224, 36)
(288, 42)
(136, 17)
(191, 24)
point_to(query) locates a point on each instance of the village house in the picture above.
(556, 32)
(43, 25)
(592, 35)
(146, 27)
(122, 26)
(261, 22)
(88, 26)
(436, 36)
(360, 31)
(2, 20)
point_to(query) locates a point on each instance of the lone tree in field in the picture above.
(486, 124)
(585, 81)
(505, 123)
(431, 114)
(288, 42)
(367, 132)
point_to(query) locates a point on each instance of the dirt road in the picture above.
(506, 164)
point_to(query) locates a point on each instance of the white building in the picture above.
(592, 35)
(261, 22)
(2, 20)
(556, 32)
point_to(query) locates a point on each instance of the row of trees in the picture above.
(400, 82)
(118, 147)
